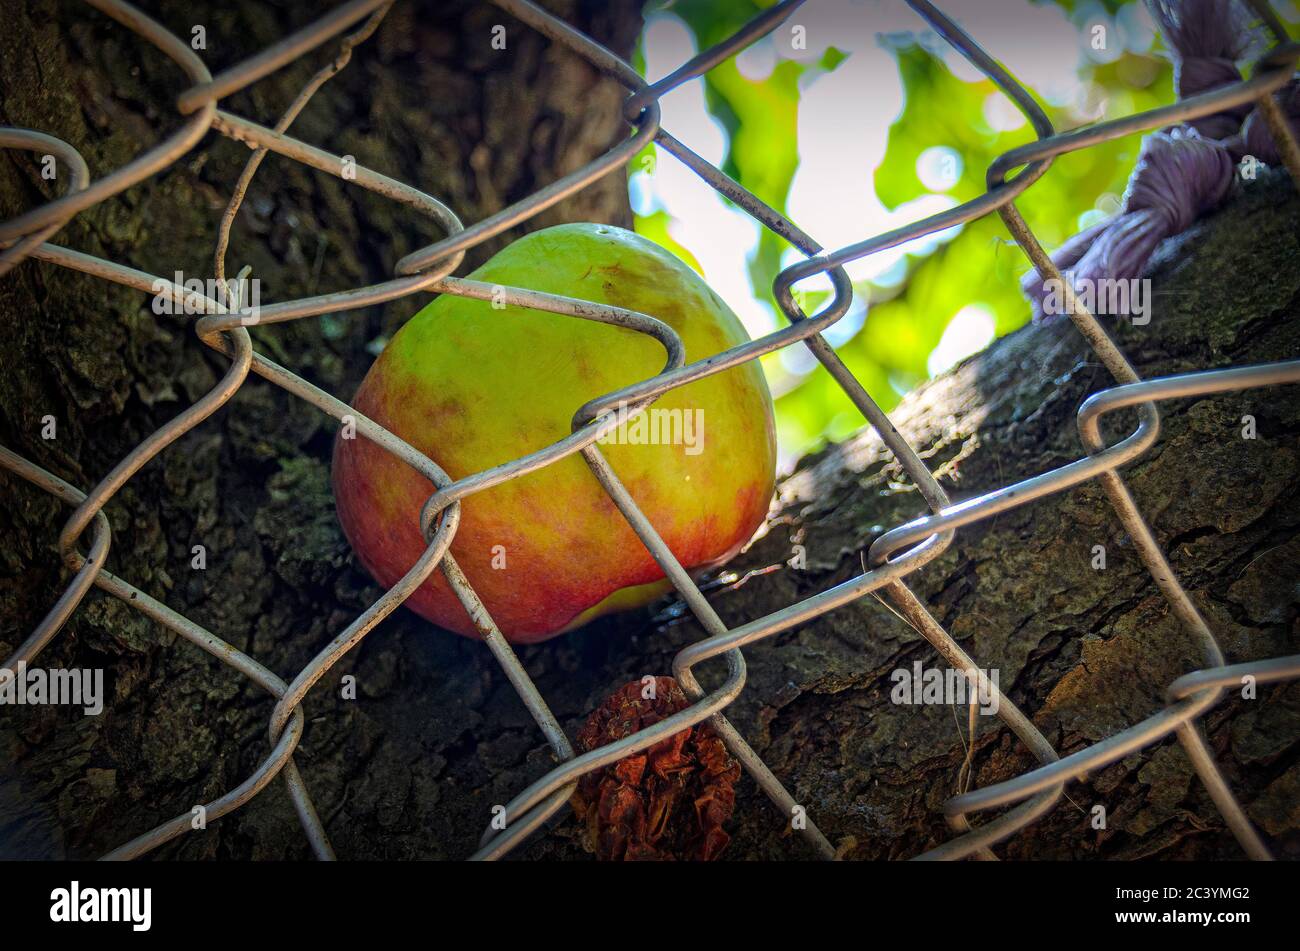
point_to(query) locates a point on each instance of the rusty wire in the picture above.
(894, 555)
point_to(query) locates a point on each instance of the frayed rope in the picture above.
(1182, 172)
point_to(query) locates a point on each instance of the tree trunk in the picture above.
(429, 101)
(1084, 652)
(412, 767)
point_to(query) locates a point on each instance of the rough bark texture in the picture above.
(412, 767)
(1084, 652)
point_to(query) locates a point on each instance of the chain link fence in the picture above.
(891, 558)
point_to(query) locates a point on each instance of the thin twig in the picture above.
(343, 57)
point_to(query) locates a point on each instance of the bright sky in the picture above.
(844, 117)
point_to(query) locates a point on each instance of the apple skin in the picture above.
(473, 387)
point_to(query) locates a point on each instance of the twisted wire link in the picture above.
(892, 556)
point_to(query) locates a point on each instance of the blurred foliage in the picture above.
(978, 263)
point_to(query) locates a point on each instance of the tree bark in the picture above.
(1084, 652)
(429, 101)
(412, 767)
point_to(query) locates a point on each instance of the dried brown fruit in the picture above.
(667, 802)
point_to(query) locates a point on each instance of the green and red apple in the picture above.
(473, 386)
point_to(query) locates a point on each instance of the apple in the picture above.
(473, 386)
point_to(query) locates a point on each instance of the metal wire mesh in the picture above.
(893, 556)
